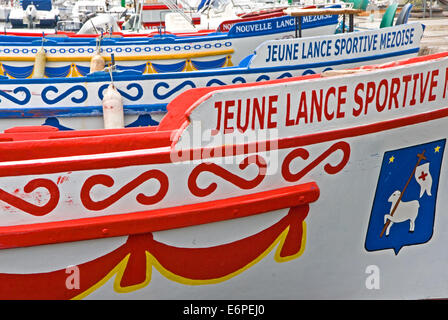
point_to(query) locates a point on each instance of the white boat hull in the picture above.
(77, 103)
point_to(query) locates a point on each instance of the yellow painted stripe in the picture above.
(126, 58)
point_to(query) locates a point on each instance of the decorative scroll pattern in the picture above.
(192, 181)
(304, 154)
(131, 263)
(226, 175)
(215, 81)
(17, 90)
(221, 83)
(262, 77)
(285, 75)
(125, 95)
(105, 180)
(30, 208)
(188, 83)
(130, 266)
(165, 85)
(79, 94)
(310, 71)
(65, 94)
(238, 80)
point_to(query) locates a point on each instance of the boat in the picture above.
(34, 14)
(72, 56)
(73, 28)
(77, 103)
(227, 24)
(68, 16)
(5, 9)
(212, 14)
(329, 188)
(83, 9)
(153, 13)
(73, 16)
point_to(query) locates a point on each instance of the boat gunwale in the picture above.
(158, 219)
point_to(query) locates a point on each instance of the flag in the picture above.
(424, 179)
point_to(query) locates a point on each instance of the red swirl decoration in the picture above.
(29, 207)
(226, 175)
(304, 154)
(107, 181)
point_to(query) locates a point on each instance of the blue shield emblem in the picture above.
(403, 209)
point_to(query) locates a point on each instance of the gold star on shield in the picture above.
(437, 149)
(391, 159)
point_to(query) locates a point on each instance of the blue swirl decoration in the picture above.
(219, 82)
(239, 80)
(262, 77)
(215, 81)
(308, 71)
(285, 75)
(165, 85)
(65, 94)
(125, 95)
(11, 98)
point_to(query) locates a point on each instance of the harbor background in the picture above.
(435, 19)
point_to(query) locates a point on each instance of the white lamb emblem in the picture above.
(404, 211)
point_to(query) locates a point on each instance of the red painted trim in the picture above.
(404, 62)
(262, 12)
(227, 25)
(21, 146)
(119, 34)
(159, 219)
(47, 132)
(149, 7)
(153, 24)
